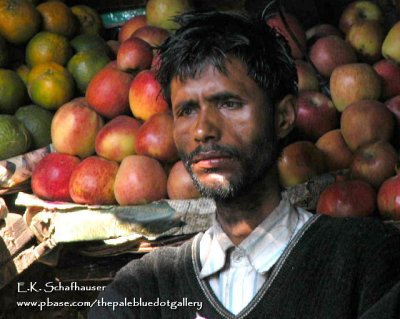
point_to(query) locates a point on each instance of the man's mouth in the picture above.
(211, 160)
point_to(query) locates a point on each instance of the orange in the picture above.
(84, 65)
(12, 91)
(19, 20)
(83, 42)
(89, 20)
(58, 18)
(48, 47)
(50, 85)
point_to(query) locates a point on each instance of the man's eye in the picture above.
(186, 111)
(231, 104)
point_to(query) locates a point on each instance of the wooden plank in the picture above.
(14, 236)
(21, 262)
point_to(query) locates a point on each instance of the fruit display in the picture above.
(110, 127)
(107, 110)
(353, 67)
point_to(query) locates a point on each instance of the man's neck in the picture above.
(240, 216)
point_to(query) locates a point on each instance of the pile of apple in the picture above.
(348, 110)
(115, 144)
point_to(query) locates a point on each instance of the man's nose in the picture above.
(207, 126)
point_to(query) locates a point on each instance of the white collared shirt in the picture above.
(236, 273)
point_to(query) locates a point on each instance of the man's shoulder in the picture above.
(164, 257)
(357, 230)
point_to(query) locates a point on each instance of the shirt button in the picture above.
(237, 256)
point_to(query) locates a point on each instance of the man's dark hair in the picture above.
(208, 38)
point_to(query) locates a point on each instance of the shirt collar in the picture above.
(263, 246)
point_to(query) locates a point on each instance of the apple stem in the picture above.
(323, 83)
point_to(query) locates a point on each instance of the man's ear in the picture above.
(285, 116)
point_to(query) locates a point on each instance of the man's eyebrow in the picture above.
(185, 104)
(223, 96)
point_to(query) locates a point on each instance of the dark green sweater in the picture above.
(333, 268)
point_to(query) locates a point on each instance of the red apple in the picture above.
(390, 75)
(337, 153)
(116, 140)
(315, 115)
(299, 162)
(359, 11)
(321, 30)
(155, 138)
(92, 181)
(134, 54)
(347, 199)
(145, 96)
(389, 198)
(365, 121)
(74, 128)
(354, 82)
(393, 105)
(374, 163)
(180, 184)
(297, 29)
(50, 177)
(366, 39)
(107, 92)
(329, 52)
(307, 78)
(130, 26)
(140, 180)
(152, 35)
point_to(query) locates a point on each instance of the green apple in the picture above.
(391, 44)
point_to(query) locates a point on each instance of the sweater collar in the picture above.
(262, 247)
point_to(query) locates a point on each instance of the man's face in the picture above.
(223, 129)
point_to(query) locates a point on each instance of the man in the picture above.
(230, 82)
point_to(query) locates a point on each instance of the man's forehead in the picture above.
(223, 68)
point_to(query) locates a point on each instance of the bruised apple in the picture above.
(347, 199)
(365, 121)
(152, 35)
(130, 26)
(307, 78)
(134, 54)
(180, 184)
(117, 138)
(337, 153)
(389, 72)
(140, 180)
(107, 92)
(50, 177)
(329, 52)
(389, 198)
(354, 82)
(315, 115)
(299, 162)
(92, 181)
(374, 163)
(155, 138)
(358, 11)
(145, 97)
(366, 39)
(74, 128)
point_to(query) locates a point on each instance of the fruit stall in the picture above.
(89, 173)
